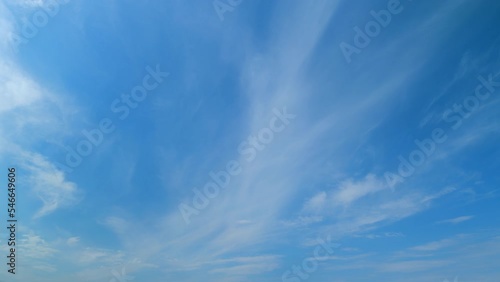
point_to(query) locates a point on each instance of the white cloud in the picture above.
(441, 193)
(303, 221)
(93, 255)
(377, 236)
(266, 189)
(350, 191)
(16, 89)
(346, 193)
(49, 184)
(117, 224)
(436, 245)
(413, 265)
(28, 117)
(242, 266)
(317, 202)
(28, 3)
(33, 246)
(73, 241)
(457, 220)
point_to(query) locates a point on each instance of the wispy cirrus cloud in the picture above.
(457, 220)
(434, 246)
(347, 192)
(321, 176)
(30, 116)
(49, 183)
(263, 192)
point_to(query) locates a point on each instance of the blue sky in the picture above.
(385, 157)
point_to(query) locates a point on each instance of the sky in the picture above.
(238, 140)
